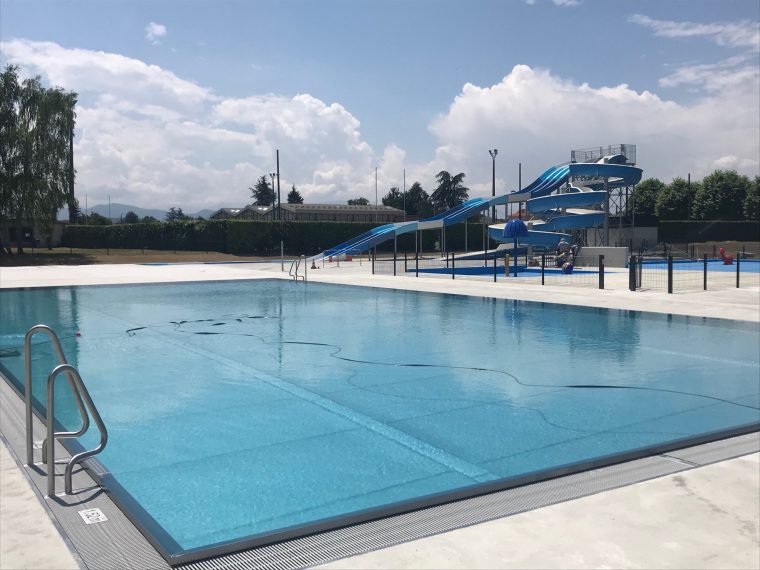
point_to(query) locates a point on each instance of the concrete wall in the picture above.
(624, 236)
(613, 256)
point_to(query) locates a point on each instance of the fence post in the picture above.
(405, 268)
(494, 268)
(282, 255)
(453, 269)
(543, 264)
(704, 271)
(601, 271)
(632, 273)
(374, 251)
(670, 274)
(738, 257)
(394, 256)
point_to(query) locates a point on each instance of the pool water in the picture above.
(238, 409)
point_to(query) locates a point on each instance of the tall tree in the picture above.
(294, 196)
(36, 126)
(450, 191)
(394, 198)
(645, 196)
(673, 202)
(721, 196)
(262, 193)
(418, 201)
(752, 201)
(358, 202)
(131, 218)
(176, 215)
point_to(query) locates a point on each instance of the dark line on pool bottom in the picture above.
(338, 349)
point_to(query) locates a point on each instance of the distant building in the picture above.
(312, 213)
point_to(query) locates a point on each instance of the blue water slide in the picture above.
(548, 182)
(364, 241)
(461, 212)
(555, 202)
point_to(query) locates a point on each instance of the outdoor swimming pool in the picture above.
(242, 409)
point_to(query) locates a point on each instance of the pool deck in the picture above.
(708, 517)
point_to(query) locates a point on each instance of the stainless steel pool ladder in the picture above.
(82, 400)
(294, 266)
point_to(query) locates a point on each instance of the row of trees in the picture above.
(449, 193)
(722, 195)
(36, 166)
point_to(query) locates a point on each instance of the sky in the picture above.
(183, 103)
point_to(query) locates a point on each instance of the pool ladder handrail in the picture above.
(81, 398)
(295, 264)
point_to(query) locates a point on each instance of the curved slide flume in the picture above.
(539, 198)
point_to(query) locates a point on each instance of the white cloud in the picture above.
(744, 33)
(536, 118)
(154, 31)
(150, 138)
(567, 3)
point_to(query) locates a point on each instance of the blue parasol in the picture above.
(515, 229)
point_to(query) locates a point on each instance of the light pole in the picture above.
(376, 194)
(405, 194)
(274, 194)
(493, 154)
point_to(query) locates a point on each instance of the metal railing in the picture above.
(83, 403)
(294, 267)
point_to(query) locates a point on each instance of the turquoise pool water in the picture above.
(237, 409)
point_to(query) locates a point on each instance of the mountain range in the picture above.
(118, 210)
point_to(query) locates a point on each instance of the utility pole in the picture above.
(405, 194)
(72, 208)
(376, 194)
(274, 194)
(493, 154)
(279, 204)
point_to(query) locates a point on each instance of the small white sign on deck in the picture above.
(92, 516)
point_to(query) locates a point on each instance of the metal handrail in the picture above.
(52, 435)
(296, 262)
(28, 388)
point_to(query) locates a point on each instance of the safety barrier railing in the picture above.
(83, 403)
(537, 269)
(674, 275)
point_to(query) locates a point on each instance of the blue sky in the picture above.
(384, 84)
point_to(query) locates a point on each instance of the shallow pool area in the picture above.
(241, 409)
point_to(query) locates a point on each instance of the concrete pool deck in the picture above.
(704, 518)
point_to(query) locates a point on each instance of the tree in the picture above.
(645, 196)
(36, 125)
(358, 202)
(417, 201)
(95, 219)
(721, 196)
(262, 192)
(294, 196)
(176, 215)
(673, 202)
(148, 220)
(394, 198)
(752, 201)
(131, 218)
(450, 192)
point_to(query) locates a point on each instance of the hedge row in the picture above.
(696, 232)
(260, 238)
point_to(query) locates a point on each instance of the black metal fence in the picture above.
(676, 275)
(540, 269)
